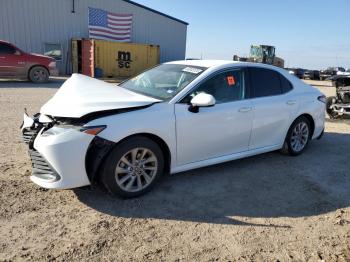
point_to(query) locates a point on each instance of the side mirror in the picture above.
(17, 52)
(201, 100)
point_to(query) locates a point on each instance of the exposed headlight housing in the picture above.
(90, 130)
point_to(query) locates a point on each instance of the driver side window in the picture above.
(7, 49)
(225, 87)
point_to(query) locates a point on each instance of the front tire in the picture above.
(38, 74)
(298, 137)
(133, 167)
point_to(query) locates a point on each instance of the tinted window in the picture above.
(6, 49)
(224, 87)
(286, 85)
(264, 82)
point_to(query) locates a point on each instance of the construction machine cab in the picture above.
(262, 54)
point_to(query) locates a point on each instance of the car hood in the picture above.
(81, 95)
(41, 56)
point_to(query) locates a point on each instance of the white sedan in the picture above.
(172, 118)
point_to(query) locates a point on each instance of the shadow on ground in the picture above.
(341, 119)
(265, 186)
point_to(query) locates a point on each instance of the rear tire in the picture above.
(330, 111)
(38, 74)
(298, 137)
(133, 167)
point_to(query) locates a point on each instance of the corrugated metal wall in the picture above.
(30, 24)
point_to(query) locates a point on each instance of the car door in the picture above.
(219, 130)
(273, 107)
(12, 62)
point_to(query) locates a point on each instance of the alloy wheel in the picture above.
(136, 169)
(39, 75)
(300, 136)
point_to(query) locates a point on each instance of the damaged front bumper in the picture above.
(57, 154)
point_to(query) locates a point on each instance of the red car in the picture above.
(15, 63)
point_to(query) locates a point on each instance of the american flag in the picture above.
(109, 26)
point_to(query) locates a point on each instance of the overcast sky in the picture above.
(312, 34)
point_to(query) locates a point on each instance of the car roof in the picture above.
(4, 42)
(203, 63)
(219, 63)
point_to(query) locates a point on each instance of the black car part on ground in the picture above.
(340, 104)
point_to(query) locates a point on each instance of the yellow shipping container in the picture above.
(112, 59)
(124, 59)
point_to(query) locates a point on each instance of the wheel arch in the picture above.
(311, 121)
(160, 142)
(100, 148)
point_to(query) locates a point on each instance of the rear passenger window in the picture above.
(286, 85)
(264, 82)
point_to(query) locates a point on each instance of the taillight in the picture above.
(322, 99)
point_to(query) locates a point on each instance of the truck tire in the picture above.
(38, 74)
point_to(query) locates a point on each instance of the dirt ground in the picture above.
(269, 207)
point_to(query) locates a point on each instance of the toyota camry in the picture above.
(172, 118)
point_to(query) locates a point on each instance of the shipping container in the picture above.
(99, 58)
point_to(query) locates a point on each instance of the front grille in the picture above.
(28, 134)
(41, 168)
(40, 165)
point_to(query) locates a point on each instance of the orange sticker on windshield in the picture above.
(231, 81)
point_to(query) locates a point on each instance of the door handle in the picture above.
(245, 109)
(2, 57)
(291, 102)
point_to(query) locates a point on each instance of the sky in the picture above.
(312, 34)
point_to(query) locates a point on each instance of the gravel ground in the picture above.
(264, 208)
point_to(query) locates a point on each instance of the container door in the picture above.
(75, 65)
(88, 62)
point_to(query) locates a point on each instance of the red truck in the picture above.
(15, 63)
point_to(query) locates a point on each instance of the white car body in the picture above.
(216, 134)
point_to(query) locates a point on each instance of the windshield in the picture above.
(164, 81)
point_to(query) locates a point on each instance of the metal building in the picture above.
(42, 26)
